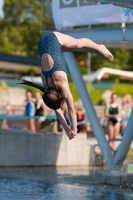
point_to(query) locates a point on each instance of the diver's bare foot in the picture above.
(106, 53)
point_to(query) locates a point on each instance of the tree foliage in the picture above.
(95, 95)
(122, 60)
(123, 89)
(20, 26)
(3, 86)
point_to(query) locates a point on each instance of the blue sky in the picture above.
(1, 4)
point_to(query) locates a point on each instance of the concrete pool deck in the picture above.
(23, 148)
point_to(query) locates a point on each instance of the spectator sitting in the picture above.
(80, 118)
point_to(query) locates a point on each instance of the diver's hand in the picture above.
(75, 131)
(70, 133)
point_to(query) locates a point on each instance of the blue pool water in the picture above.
(61, 183)
(22, 188)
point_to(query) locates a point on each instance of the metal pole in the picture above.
(96, 127)
(89, 66)
(41, 15)
(123, 26)
(125, 145)
(42, 10)
(49, 7)
(89, 62)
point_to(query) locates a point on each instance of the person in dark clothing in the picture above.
(40, 110)
(81, 118)
(112, 111)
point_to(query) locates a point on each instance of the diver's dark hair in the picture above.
(32, 84)
(51, 97)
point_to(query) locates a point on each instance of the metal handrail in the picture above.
(23, 117)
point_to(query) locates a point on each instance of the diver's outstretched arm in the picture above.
(67, 96)
(63, 122)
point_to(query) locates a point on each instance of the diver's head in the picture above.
(53, 98)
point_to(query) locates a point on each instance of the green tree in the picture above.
(95, 95)
(20, 26)
(3, 86)
(31, 71)
(130, 61)
(123, 89)
(121, 60)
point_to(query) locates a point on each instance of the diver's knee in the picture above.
(80, 43)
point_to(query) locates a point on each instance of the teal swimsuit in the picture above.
(49, 44)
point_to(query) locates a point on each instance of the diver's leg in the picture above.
(83, 44)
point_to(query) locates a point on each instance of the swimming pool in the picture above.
(52, 184)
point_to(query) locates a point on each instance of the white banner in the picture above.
(69, 13)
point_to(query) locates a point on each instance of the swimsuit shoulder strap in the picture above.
(48, 74)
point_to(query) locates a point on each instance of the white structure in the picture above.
(97, 75)
(104, 72)
(82, 13)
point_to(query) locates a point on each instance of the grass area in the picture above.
(130, 155)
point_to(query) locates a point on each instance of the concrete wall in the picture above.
(28, 149)
(13, 95)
